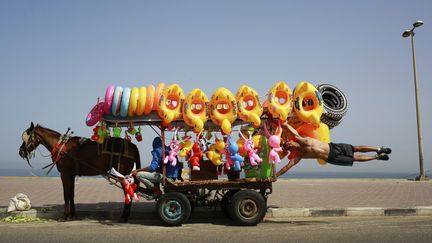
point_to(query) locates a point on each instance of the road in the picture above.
(310, 229)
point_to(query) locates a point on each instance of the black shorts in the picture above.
(341, 154)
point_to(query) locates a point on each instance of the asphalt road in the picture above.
(310, 229)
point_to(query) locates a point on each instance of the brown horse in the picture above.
(78, 158)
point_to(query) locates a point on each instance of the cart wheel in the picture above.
(226, 200)
(173, 208)
(247, 207)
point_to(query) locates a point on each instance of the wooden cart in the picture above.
(244, 200)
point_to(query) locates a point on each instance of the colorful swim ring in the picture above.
(142, 97)
(158, 93)
(115, 108)
(109, 93)
(279, 101)
(323, 134)
(133, 101)
(195, 110)
(170, 103)
(95, 114)
(308, 103)
(249, 105)
(125, 102)
(222, 109)
(149, 99)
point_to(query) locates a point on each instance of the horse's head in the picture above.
(30, 143)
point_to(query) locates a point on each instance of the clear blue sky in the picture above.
(57, 57)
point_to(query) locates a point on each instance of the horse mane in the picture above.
(48, 129)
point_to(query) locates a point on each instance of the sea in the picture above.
(290, 175)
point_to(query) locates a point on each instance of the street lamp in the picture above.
(408, 33)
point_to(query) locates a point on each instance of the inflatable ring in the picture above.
(222, 109)
(125, 102)
(323, 134)
(308, 103)
(141, 101)
(133, 101)
(279, 101)
(249, 105)
(109, 93)
(195, 110)
(95, 114)
(170, 103)
(115, 108)
(158, 93)
(149, 99)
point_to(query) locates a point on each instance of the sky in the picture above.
(58, 57)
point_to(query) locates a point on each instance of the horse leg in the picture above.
(66, 192)
(71, 198)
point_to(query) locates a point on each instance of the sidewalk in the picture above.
(290, 197)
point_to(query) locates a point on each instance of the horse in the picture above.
(79, 156)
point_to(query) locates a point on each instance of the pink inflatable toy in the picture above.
(250, 148)
(95, 114)
(274, 142)
(109, 94)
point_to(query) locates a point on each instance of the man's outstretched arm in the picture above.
(290, 164)
(291, 130)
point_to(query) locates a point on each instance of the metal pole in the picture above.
(422, 176)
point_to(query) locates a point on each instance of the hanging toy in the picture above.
(250, 149)
(197, 155)
(234, 155)
(274, 142)
(215, 151)
(117, 132)
(127, 137)
(138, 135)
(95, 136)
(175, 147)
(129, 185)
(101, 135)
(131, 130)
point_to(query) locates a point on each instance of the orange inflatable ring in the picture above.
(170, 103)
(249, 105)
(308, 103)
(141, 101)
(222, 109)
(133, 101)
(195, 110)
(158, 93)
(279, 101)
(149, 99)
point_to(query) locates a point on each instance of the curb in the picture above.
(272, 213)
(358, 211)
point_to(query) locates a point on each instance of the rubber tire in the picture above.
(226, 200)
(245, 202)
(178, 199)
(335, 102)
(331, 123)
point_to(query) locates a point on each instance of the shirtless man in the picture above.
(333, 153)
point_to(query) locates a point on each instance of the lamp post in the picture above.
(410, 33)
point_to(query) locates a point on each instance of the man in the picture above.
(152, 175)
(333, 153)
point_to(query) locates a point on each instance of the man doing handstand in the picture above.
(333, 153)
